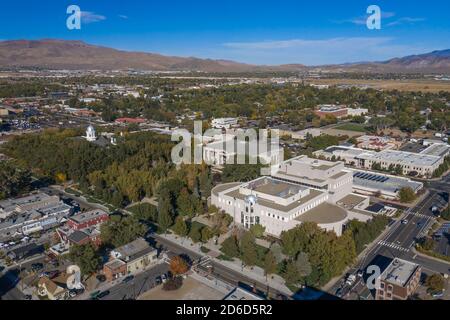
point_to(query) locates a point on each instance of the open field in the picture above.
(351, 127)
(402, 85)
(191, 290)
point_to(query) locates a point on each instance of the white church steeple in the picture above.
(90, 134)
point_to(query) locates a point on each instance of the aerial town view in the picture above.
(224, 150)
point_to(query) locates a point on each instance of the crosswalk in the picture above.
(420, 215)
(204, 262)
(392, 246)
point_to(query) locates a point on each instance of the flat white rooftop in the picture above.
(399, 271)
(405, 158)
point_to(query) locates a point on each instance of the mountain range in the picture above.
(68, 54)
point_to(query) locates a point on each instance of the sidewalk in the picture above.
(102, 286)
(361, 257)
(255, 273)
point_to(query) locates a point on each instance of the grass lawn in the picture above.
(351, 127)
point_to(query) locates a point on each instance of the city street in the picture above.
(399, 242)
(141, 283)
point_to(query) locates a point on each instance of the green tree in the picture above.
(230, 247)
(121, 231)
(270, 264)
(185, 204)
(248, 251)
(180, 227)
(435, 282)
(303, 265)
(257, 230)
(207, 234)
(291, 273)
(406, 195)
(86, 257)
(164, 219)
(13, 181)
(195, 234)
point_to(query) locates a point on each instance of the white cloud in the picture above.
(90, 17)
(122, 16)
(362, 20)
(405, 20)
(319, 51)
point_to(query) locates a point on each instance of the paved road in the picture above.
(140, 284)
(399, 241)
(223, 273)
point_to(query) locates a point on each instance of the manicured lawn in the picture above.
(351, 127)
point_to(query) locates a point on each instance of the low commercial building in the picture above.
(354, 112)
(23, 204)
(331, 110)
(422, 164)
(377, 143)
(224, 123)
(115, 269)
(398, 281)
(386, 186)
(303, 134)
(88, 219)
(137, 256)
(35, 220)
(25, 251)
(81, 229)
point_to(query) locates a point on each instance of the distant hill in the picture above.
(433, 62)
(65, 54)
(62, 54)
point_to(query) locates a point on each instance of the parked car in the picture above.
(404, 221)
(28, 297)
(128, 279)
(103, 294)
(158, 280)
(438, 294)
(360, 273)
(339, 293)
(94, 295)
(163, 278)
(37, 266)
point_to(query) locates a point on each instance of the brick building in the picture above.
(398, 281)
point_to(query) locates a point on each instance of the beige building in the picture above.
(300, 190)
(54, 289)
(138, 255)
(423, 164)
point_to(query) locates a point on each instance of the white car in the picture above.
(404, 221)
(164, 278)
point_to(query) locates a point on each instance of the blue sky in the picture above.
(259, 32)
